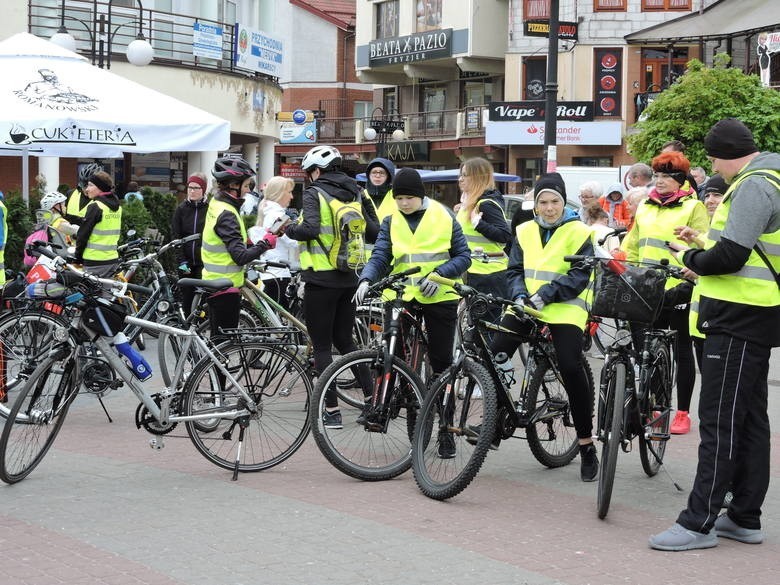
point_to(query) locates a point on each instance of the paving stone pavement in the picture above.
(105, 509)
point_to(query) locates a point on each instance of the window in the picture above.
(428, 15)
(390, 100)
(387, 19)
(666, 4)
(609, 5)
(592, 161)
(433, 99)
(536, 9)
(362, 109)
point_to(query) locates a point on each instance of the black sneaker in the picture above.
(476, 430)
(362, 419)
(332, 420)
(589, 462)
(446, 445)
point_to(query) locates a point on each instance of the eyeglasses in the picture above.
(195, 187)
(379, 173)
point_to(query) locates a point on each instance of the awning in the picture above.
(722, 20)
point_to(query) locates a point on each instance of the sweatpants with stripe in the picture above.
(734, 434)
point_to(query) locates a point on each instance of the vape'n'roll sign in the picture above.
(608, 64)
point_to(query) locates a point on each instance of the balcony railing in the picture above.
(170, 34)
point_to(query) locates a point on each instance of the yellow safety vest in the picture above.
(693, 313)
(428, 247)
(544, 264)
(654, 226)
(753, 284)
(477, 240)
(72, 207)
(387, 207)
(4, 211)
(217, 262)
(104, 239)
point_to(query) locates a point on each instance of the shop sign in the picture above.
(405, 151)
(292, 171)
(608, 68)
(433, 44)
(533, 111)
(568, 133)
(567, 31)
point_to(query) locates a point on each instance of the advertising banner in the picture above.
(206, 40)
(569, 133)
(258, 51)
(608, 85)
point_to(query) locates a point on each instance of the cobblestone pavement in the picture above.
(105, 509)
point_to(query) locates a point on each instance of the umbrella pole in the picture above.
(26, 177)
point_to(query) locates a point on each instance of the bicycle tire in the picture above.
(440, 477)
(354, 450)
(657, 399)
(24, 341)
(279, 385)
(604, 336)
(612, 429)
(368, 328)
(551, 435)
(36, 417)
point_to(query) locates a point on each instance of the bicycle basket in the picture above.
(104, 317)
(635, 295)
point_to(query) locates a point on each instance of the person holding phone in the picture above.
(272, 217)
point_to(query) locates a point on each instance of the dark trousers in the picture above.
(567, 340)
(440, 320)
(276, 288)
(734, 434)
(188, 292)
(493, 284)
(330, 317)
(224, 311)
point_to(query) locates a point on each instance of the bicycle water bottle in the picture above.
(505, 369)
(136, 361)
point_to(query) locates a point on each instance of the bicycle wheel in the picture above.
(24, 341)
(611, 433)
(279, 385)
(656, 407)
(551, 435)
(368, 454)
(454, 431)
(368, 326)
(604, 335)
(36, 417)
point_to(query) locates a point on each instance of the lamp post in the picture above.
(139, 51)
(383, 126)
(551, 94)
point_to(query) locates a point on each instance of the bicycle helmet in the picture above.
(51, 199)
(87, 171)
(232, 168)
(321, 157)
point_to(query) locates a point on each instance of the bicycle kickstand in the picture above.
(243, 423)
(102, 404)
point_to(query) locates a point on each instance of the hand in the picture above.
(428, 288)
(520, 305)
(536, 302)
(687, 234)
(361, 292)
(476, 217)
(689, 274)
(676, 249)
(184, 268)
(269, 239)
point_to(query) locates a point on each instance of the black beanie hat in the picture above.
(550, 182)
(408, 182)
(102, 181)
(715, 184)
(729, 139)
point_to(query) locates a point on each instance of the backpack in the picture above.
(40, 233)
(348, 252)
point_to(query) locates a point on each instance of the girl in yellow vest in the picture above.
(422, 232)
(98, 235)
(224, 250)
(668, 207)
(53, 202)
(482, 219)
(538, 276)
(379, 186)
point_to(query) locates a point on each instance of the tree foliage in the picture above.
(699, 98)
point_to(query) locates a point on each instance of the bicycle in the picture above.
(456, 425)
(250, 383)
(379, 394)
(629, 409)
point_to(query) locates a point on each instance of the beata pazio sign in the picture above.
(433, 44)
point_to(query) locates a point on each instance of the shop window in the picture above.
(649, 5)
(536, 9)
(428, 15)
(592, 161)
(609, 5)
(387, 19)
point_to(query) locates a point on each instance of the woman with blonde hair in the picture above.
(271, 214)
(484, 223)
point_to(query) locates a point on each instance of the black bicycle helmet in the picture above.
(87, 171)
(232, 168)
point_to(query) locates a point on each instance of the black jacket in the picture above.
(188, 219)
(493, 223)
(229, 231)
(93, 216)
(344, 188)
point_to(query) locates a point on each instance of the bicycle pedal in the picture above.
(658, 436)
(156, 443)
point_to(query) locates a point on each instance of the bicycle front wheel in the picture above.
(611, 431)
(551, 435)
(281, 389)
(369, 452)
(36, 417)
(455, 427)
(604, 335)
(656, 407)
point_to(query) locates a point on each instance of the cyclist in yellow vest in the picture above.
(668, 207)
(739, 314)
(328, 292)
(64, 231)
(224, 250)
(539, 277)
(98, 235)
(379, 186)
(78, 200)
(422, 232)
(482, 219)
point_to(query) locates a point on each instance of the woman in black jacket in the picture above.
(188, 219)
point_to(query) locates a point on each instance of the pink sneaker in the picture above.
(681, 425)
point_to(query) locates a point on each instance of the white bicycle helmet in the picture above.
(51, 199)
(322, 157)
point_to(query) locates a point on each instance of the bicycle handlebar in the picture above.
(663, 264)
(390, 280)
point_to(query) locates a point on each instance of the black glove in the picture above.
(678, 295)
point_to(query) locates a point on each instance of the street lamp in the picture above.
(139, 51)
(382, 126)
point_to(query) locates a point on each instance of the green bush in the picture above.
(20, 222)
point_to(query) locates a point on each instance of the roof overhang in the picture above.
(721, 20)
